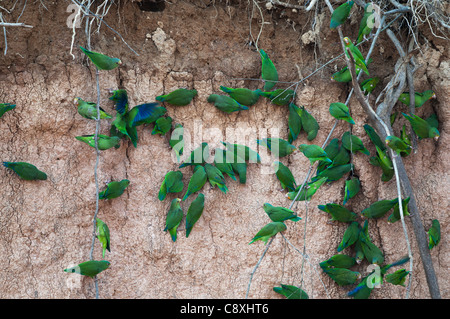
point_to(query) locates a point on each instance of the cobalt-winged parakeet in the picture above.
(307, 191)
(384, 161)
(395, 216)
(5, 107)
(351, 235)
(338, 212)
(344, 75)
(422, 128)
(104, 142)
(419, 97)
(194, 212)
(178, 97)
(222, 164)
(343, 276)
(294, 122)
(434, 234)
(285, 176)
(340, 14)
(280, 213)
(397, 278)
(243, 96)
(198, 156)
(340, 111)
(101, 61)
(197, 181)
(352, 187)
(114, 189)
(269, 230)
(353, 143)
(291, 292)
(172, 183)
(89, 109)
(225, 103)
(89, 268)
(277, 146)
(243, 151)
(367, 86)
(367, 22)
(268, 71)
(314, 153)
(379, 208)
(173, 218)
(26, 171)
(374, 137)
(309, 124)
(103, 236)
(162, 125)
(215, 177)
(341, 158)
(176, 141)
(338, 261)
(334, 173)
(279, 96)
(239, 167)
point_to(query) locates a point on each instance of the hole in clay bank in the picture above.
(152, 5)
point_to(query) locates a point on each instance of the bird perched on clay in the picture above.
(243, 96)
(277, 146)
(215, 177)
(114, 189)
(5, 107)
(104, 142)
(338, 261)
(176, 141)
(268, 231)
(291, 292)
(243, 151)
(89, 268)
(419, 97)
(379, 208)
(172, 183)
(309, 124)
(162, 125)
(340, 14)
(338, 212)
(352, 187)
(353, 143)
(194, 212)
(343, 276)
(26, 171)
(279, 96)
(307, 192)
(220, 161)
(102, 61)
(344, 75)
(334, 173)
(226, 103)
(268, 71)
(294, 122)
(279, 213)
(89, 109)
(422, 128)
(285, 176)
(173, 218)
(178, 97)
(198, 156)
(367, 24)
(367, 86)
(350, 236)
(197, 181)
(103, 236)
(340, 111)
(314, 153)
(434, 234)
(398, 145)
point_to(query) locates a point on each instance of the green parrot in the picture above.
(26, 171)
(243, 151)
(356, 54)
(371, 252)
(433, 120)
(405, 136)
(434, 234)
(239, 166)
(351, 235)
(419, 98)
(422, 128)
(226, 103)
(374, 137)
(332, 149)
(309, 124)
(401, 261)
(361, 291)
(162, 125)
(343, 276)
(279, 96)
(342, 158)
(397, 278)
(243, 96)
(338, 212)
(314, 153)
(174, 217)
(338, 261)
(291, 292)
(89, 268)
(367, 86)
(114, 189)
(198, 156)
(359, 254)
(269, 230)
(307, 191)
(379, 208)
(279, 213)
(172, 183)
(398, 145)
(5, 107)
(120, 99)
(194, 212)
(215, 177)
(395, 216)
(89, 109)
(340, 15)
(344, 74)
(101, 61)
(353, 143)
(197, 181)
(364, 28)
(352, 187)
(178, 97)
(221, 163)
(385, 162)
(277, 146)
(285, 176)
(294, 122)
(102, 234)
(268, 71)
(176, 141)
(393, 117)
(340, 111)
(335, 173)
(104, 142)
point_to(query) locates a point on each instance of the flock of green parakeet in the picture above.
(333, 163)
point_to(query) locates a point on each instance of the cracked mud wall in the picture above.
(46, 226)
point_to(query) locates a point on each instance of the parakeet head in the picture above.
(347, 41)
(118, 61)
(434, 133)
(302, 147)
(76, 100)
